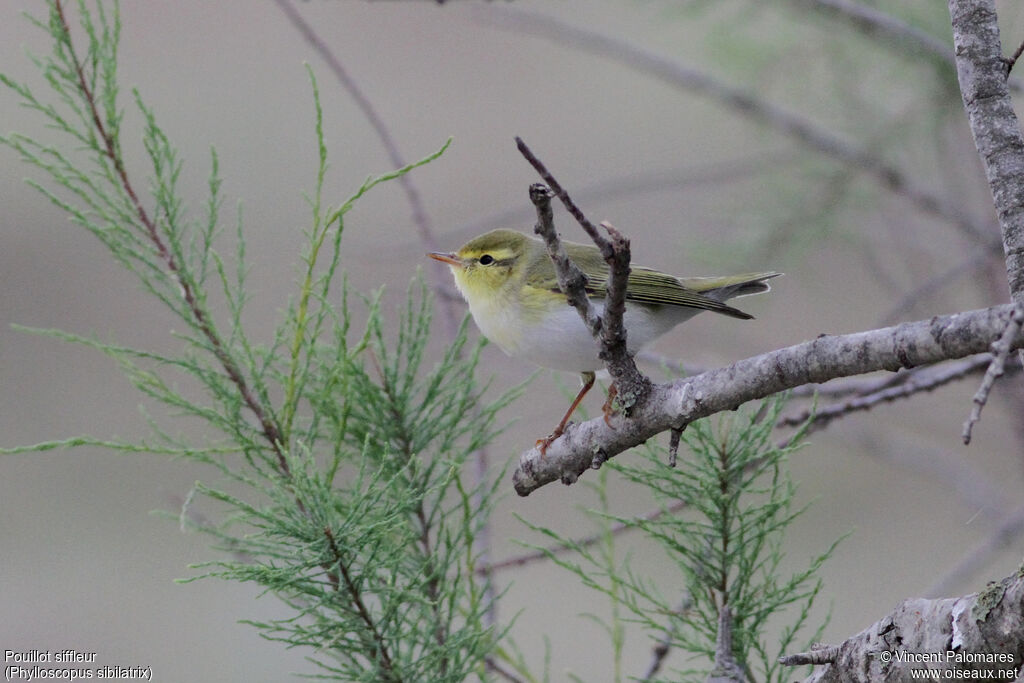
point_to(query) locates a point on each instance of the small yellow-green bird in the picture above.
(511, 287)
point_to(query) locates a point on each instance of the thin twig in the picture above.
(819, 654)
(1000, 351)
(974, 259)
(1013, 59)
(673, 445)
(420, 216)
(877, 24)
(563, 196)
(915, 383)
(632, 386)
(378, 648)
(642, 182)
(972, 485)
(571, 279)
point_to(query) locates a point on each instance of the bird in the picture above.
(509, 282)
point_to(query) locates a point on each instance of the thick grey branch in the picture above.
(983, 626)
(675, 404)
(982, 73)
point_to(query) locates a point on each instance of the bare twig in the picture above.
(928, 379)
(571, 279)
(492, 665)
(607, 251)
(819, 654)
(673, 445)
(1012, 59)
(443, 292)
(1000, 352)
(738, 100)
(971, 484)
(632, 386)
(875, 23)
(974, 259)
(642, 182)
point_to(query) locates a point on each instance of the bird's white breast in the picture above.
(559, 339)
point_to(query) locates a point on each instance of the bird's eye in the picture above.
(486, 260)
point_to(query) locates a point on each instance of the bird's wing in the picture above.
(649, 287)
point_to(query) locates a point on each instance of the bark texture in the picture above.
(676, 404)
(960, 634)
(982, 71)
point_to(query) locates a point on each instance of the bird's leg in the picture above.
(609, 405)
(588, 381)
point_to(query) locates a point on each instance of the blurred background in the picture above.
(720, 136)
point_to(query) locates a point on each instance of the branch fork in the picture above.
(632, 386)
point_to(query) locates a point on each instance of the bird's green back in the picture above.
(649, 286)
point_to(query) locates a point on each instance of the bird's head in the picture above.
(488, 265)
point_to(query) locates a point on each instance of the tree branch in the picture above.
(947, 631)
(676, 404)
(925, 381)
(1000, 352)
(982, 73)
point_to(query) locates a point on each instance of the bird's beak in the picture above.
(443, 257)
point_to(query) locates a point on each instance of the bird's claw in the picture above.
(608, 409)
(542, 444)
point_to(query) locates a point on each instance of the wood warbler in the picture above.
(511, 287)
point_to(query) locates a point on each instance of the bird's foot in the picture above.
(609, 406)
(542, 444)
